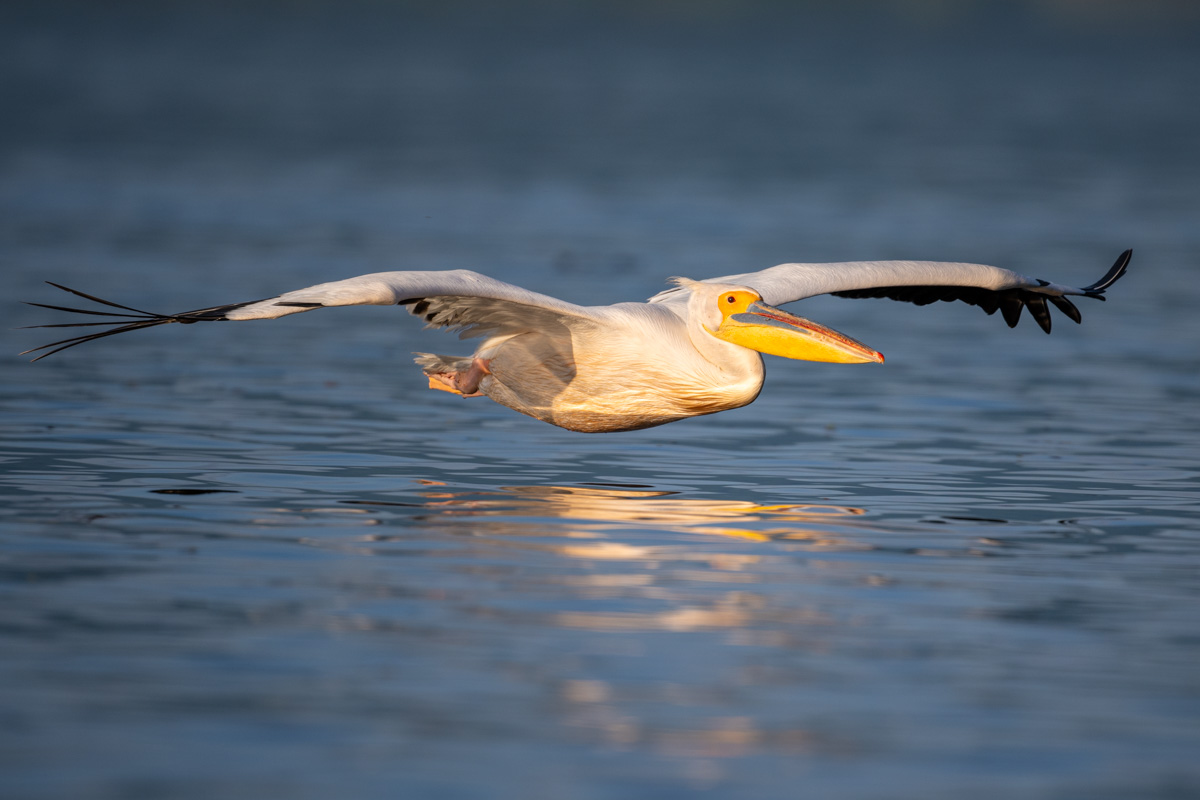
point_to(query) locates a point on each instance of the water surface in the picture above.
(264, 560)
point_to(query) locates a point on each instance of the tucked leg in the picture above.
(464, 382)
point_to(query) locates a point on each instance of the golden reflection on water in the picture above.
(594, 706)
(638, 561)
(602, 508)
(600, 529)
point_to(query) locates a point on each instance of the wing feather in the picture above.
(458, 299)
(402, 288)
(462, 300)
(919, 282)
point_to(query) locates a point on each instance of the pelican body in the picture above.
(691, 350)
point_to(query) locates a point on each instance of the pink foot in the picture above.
(465, 382)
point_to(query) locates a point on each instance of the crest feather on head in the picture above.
(680, 286)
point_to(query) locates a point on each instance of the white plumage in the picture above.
(690, 350)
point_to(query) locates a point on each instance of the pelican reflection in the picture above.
(597, 511)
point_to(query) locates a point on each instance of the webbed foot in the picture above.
(463, 382)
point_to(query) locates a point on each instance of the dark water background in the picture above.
(247, 561)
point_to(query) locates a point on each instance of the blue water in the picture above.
(263, 560)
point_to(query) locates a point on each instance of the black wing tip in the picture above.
(1011, 306)
(1114, 274)
(122, 322)
(1041, 315)
(1010, 302)
(1066, 307)
(64, 344)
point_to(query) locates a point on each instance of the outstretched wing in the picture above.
(921, 282)
(460, 300)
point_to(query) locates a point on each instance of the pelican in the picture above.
(692, 349)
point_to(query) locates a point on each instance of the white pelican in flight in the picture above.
(690, 350)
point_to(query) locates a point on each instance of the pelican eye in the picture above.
(731, 299)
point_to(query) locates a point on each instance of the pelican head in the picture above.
(744, 319)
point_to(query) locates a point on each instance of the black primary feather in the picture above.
(1010, 302)
(118, 322)
(1113, 275)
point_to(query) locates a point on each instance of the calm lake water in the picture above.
(263, 560)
